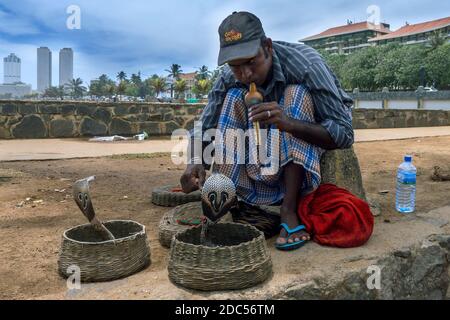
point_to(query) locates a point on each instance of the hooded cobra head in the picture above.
(82, 197)
(218, 196)
(83, 200)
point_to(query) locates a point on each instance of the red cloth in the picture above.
(335, 217)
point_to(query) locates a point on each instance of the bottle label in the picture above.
(406, 177)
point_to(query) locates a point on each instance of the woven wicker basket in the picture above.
(105, 260)
(181, 218)
(170, 224)
(172, 196)
(241, 260)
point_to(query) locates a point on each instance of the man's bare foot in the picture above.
(291, 219)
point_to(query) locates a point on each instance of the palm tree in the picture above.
(174, 71)
(75, 88)
(203, 73)
(158, 85)
(180, 87)
(110, 88)
(121, 88)
(51, 92)
(202, 87)
(61, 92)
(121, 76)
(136, 79)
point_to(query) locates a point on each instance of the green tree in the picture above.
(131, 90)
(387, 70)
(110, 89)
(203, 73)
(202, 87)
(54, 92)
(336, 63)
(136, 79)
(174, 71)
(180, 86)
(95, 89)
(437, 66)
(31, 96)
(121, 76)
(147, 85)
(75, 88)
(121, 88)
(359, 69)
(437, 39)
(158, 84)
(102, 86)
(137, 87)
(412, 59)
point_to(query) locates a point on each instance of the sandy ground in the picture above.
(30, 231)
(54, 149)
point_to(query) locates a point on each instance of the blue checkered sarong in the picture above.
(261, 182)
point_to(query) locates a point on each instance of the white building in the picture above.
(11, 69)
(44, 69)
(65, 66)
(15, 90)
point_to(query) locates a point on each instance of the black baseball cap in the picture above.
(240, 37)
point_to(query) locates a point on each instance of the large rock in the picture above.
(30, 127)
(27, 109)
(50, 109)
(419, 272)
(68, 109)
(170, 127)
(152, 128)
(85, 110)
(90, 127)
(341, 167)
(8, 109)
(103, 115)
(62, 128)
(121, 127)
(4, 133)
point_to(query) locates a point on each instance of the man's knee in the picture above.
(298, 103)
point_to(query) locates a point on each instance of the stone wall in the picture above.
(380, 118)
(419, 99)
(45, 119)
(61, 119)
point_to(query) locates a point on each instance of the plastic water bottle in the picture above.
(405, 200)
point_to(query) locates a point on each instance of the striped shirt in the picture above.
(294, 63)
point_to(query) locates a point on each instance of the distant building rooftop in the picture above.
(350, 28)
(412, 29)
(188, 76)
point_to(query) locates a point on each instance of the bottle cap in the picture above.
(408, 158)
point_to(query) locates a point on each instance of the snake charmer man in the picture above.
(303, 100)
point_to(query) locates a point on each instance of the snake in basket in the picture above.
(218, 197)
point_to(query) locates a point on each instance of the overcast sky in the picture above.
(149, 35)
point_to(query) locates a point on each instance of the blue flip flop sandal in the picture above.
(294, 245)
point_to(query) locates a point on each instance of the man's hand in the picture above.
(193, 178)
(312, 133)
(269, 113)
